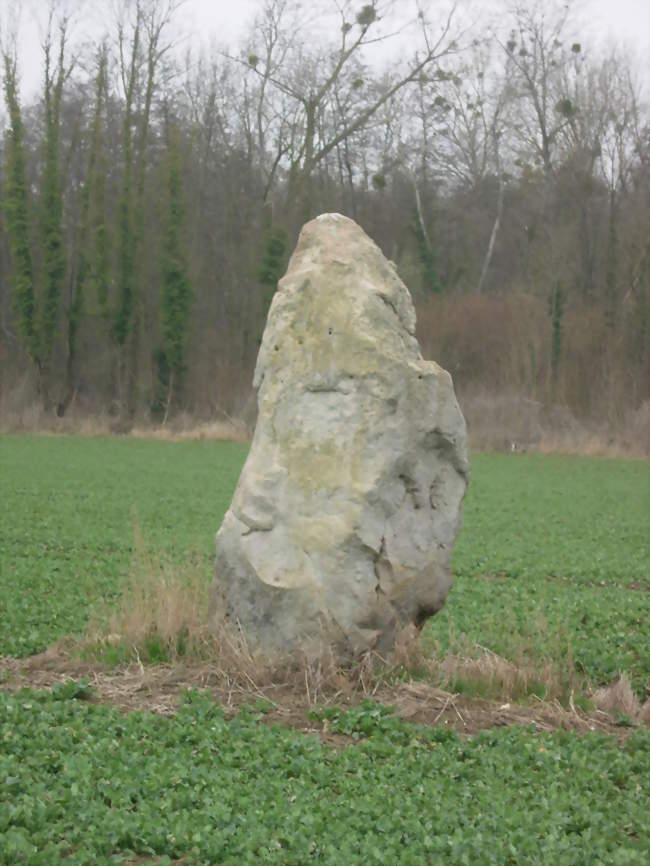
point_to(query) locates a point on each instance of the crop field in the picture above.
(82, 782)
(554, 554)
(552, 567)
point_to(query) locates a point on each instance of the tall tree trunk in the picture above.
(54, 263)
(123, 317)
(421, 222)
(16, 211)
(556, 310)
(611, 273)
(493, 236)
(91, 258)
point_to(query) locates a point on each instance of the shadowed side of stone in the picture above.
(343, 521)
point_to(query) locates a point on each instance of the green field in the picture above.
(565, 541)
(83, 783)
(553, 558)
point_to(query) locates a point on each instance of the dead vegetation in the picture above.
(511, 422)
(479, 671)
(161, 617)
(619, 699)
(161, 612)
(157, 643)
(288, 692)
(182, 427)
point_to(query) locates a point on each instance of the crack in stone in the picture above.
(324, 389)
(377, 558)
(389, 304)
(434, 492)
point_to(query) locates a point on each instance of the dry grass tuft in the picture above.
(162, 617)
(644, 714)
(618, 697)
(494, 676)
(476, 670)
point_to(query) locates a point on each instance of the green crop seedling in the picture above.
(552, 560)
(550, 570)
(85, 785)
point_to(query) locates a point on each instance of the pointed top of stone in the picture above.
(334, 217)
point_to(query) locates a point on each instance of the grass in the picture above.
(551, 569)
(160, 615)
(68, 511)
(579, 519)
(84, 784)
(111, 540)
(553, 564)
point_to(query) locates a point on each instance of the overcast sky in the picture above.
(222, 21)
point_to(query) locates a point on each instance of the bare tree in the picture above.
(538, 58)
(619, 143)
(310, 100)
(142, 28)
(520, 163)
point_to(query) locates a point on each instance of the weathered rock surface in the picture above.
(344, 518)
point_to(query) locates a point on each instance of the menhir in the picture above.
(343, 521)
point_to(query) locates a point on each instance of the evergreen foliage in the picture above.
(93, 265)
(430, 278)
(126, 229)
(273, 256)
(123, 313)
(429, 267)
(54, 263)
(273, 261)
(92, 261)
(16, 217)
(177, 293)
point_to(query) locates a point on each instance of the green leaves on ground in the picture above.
(83, 784)
(67, 514)
(564, 545)
(564, 541)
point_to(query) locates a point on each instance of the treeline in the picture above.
(150, 201)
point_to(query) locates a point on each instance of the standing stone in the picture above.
(342, 524)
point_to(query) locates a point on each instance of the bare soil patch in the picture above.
(159, 689)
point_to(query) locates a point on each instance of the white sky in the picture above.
(223, 21)
(625, 20)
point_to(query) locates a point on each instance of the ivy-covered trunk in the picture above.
(177, 293)
(92, 259)
(15, 207)
(53, 254)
